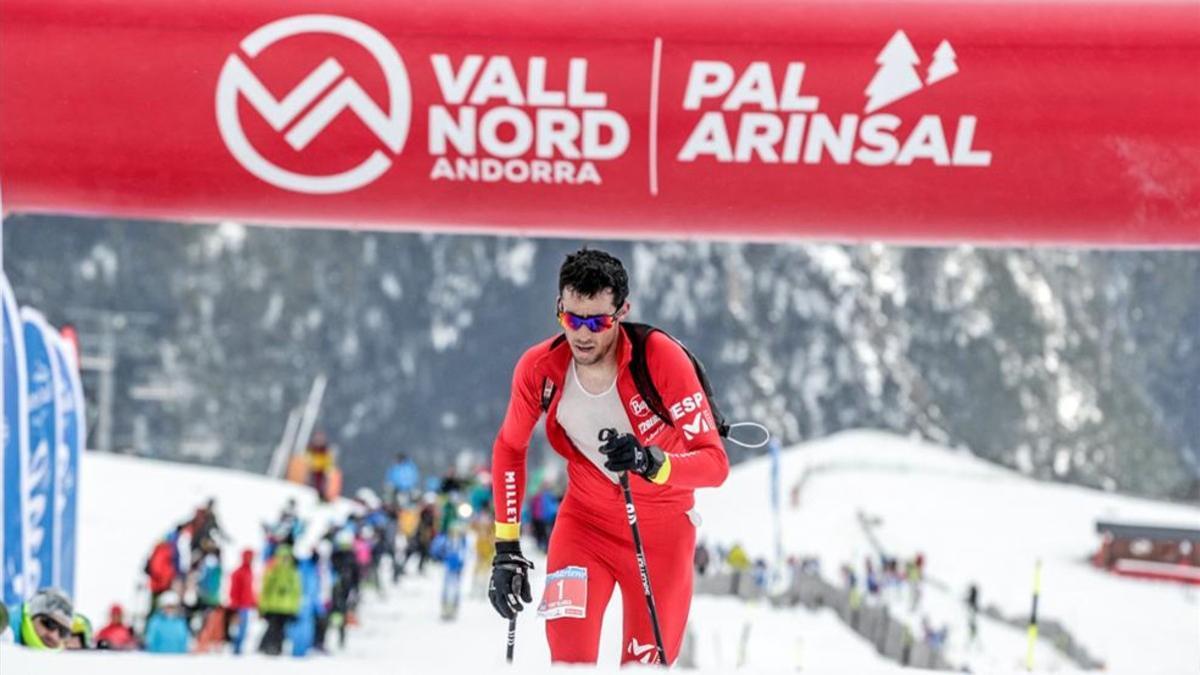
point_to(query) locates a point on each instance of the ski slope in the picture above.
(127, 503)
(972, 520)
(975, 522)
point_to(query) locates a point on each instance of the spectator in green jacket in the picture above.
(44, 622)
(279, 602)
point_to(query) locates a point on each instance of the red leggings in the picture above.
(605, 549)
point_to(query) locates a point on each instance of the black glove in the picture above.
(510, 579)
(625, 453)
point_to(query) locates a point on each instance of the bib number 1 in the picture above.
(565, 594)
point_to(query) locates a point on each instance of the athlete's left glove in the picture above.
(510, 579)
(626, 453)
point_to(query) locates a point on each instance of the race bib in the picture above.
(565, 594)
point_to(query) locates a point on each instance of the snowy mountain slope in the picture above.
(1068, 364)
(126, 503)
(974, 522)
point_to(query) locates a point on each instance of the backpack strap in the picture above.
(548, 386)
(638, 333)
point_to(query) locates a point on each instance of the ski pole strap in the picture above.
(766, 434)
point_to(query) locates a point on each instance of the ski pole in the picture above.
(605, 435)
(512, 638)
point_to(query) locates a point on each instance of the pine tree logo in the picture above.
(897, 76)
(943, 65)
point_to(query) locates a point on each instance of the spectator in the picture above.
(214, 631)
(426, 529)
(242, 600)
(161, 567)
(480, 494)
(44, 622)
(544, 511)
(913, 571)
(935, 638)
(485, 549)
(346, 581)
(973, 613)
(450, 548)
(286, 530)
(403, 477)
(209, 573)
(204, 527)
(320, 465)
(303, 630)
(702, 558)
(280, 600)
(167, 631)
(364, 555)
(872, 580)
(760, 573)
(739, 562)
(116, 635)
(450, 482)
(81, 633)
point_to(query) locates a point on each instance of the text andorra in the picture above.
(565, 129)
(787, 128)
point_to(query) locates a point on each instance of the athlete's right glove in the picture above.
(624, 453)
(510, 579)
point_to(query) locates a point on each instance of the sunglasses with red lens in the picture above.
(597, 323)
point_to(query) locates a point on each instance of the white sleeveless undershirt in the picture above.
(582, 415)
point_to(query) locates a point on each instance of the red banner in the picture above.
(1001, 122)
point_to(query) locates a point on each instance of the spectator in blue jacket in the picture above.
(451, 549)
(302, 632)
(167, 630)
(403, 477)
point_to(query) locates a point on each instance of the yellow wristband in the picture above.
(664, 471)
(508, 531)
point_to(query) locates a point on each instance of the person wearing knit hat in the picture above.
(44, 622)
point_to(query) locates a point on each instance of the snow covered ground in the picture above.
(126, 503)
(973, 521)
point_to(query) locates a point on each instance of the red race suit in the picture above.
(592, 529)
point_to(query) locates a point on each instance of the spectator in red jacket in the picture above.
(242, 599)
(116, 635)
(161, 569)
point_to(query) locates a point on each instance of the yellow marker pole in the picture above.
(1033, 625)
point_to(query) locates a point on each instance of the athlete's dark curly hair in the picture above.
(589, 272)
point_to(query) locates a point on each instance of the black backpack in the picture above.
(638, 333)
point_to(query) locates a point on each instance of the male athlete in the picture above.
(583, 382)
